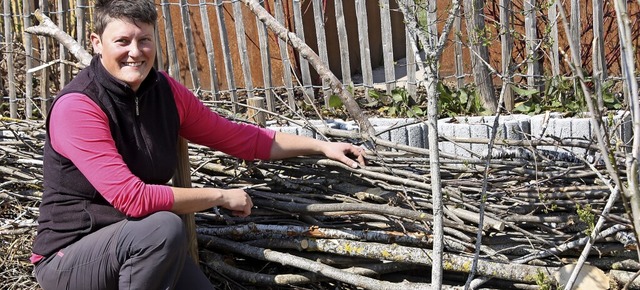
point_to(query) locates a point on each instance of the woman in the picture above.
(107, 219)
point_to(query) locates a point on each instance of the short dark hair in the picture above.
(135, 10)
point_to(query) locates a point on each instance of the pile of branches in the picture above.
(317, 224)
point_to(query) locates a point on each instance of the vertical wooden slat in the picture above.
(599, 69)
(16, 12)
(530, 22)
(363, 39)
(457, 48)
(11, 74)
(28, 49)
(432, 19)
(475, 20)
(2, 55)
(304, 64)
(81, 22)
(265, 59)
(63, 9)
(322, 44)
(172, 55)
(387, 46)
(255, 111)
(242, 47)
(159, 61)
(211, 56)
(189, 43)
(284, 54)
(343, 42)
(411, 66)
(228, 66)
(554, 54)
(506, 45)
(575, 27)
(45, 100)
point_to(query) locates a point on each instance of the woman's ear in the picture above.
(96, 42)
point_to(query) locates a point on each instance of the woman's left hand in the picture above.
(340, 151)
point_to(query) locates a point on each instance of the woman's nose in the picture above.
(135, 49)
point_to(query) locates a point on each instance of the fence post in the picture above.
(363, 37)
(284, 54)
(507, 44)
(322, 45)
(211, 57)
(387, 46)
(304, 64)
(265, 59)
(11, 74)
(189, 44)
(480, 53)
(457, 32)
(45, 100)
(28, 49)
(228, 66)
(343, 42)
(63, 7)
(81, 22)
(576, 28)
(172, 56)
(242, 47)
(599, 69)
(553, 35)
(255, 111)
(531, 36)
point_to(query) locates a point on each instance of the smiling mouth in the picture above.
(133, 64)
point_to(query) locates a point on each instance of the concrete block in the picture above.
(580, 129)
(480, 127)
(417, 135)
(620, 126)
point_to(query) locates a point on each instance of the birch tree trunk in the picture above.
(433, 51)
(480, 53)
(632, 193)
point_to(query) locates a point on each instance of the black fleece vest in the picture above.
(144, 126)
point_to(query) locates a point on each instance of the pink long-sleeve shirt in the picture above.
(80, 132)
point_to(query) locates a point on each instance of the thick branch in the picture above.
(48, 28)
(323, 70)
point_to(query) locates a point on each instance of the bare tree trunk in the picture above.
(632, 193)
(433, 47)
(602, 140)
(480, 53)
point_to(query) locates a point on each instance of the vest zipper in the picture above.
(137, 108)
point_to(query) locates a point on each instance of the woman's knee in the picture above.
(163, 226)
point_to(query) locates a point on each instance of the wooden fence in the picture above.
(364, 42)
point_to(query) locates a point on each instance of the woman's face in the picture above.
(128, 50)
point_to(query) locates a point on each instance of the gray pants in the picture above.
(147, 253)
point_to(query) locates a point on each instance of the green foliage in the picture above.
(585, 215)
(543, 282)
(465, 101)
(560, 95)
(398, 104)
(335, 101)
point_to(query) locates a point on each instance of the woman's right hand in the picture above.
(237, 201)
